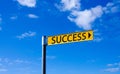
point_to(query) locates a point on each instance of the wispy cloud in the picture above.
(0, 28)
(0, 22)
(91, 61)
(118, 56)
(112, 7)
(51, 57)
(3, 70)
(48, 57)
(114, 64)
(0, 19)
(19, 65)
(13, 17)
(97, 36)
(32, 16)
(112, 69)
(85, 18)
(26, 35)
(28, 3)
(7, 61)
(0, 59)
(69, 5)
(19, 61)
(109, 65)
(98, 39)
(1, 64)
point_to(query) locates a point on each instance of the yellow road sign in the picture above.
(72, 37)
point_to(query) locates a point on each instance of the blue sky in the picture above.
(23, 22)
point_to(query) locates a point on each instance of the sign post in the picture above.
(44, 44)
(62, 39)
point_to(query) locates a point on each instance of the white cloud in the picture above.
(26, 34)
(109, 65)
(51, 57)
(85, 18)
(97, 36)
(48, 57)
(69, 4)
(13, 17)
(0, 59)
(3, 70)
(112, 7)
(98, 39)
(91, 61)
(0, 19)
(112, 69)
(18, 61)
(0, 23)
(0, 28)
(6, 60)
(1, 64)
(114, 64)
(28, 3)
(32, 16)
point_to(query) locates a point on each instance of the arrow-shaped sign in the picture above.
(89, 34)
(71, 37)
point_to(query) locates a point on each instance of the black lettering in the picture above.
(79, 36)
(53, 39)
(74, 37)
(58, 39)
(63, 38)
(83, 36)
(68, 38)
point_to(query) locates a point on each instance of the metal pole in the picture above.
(44, 54)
